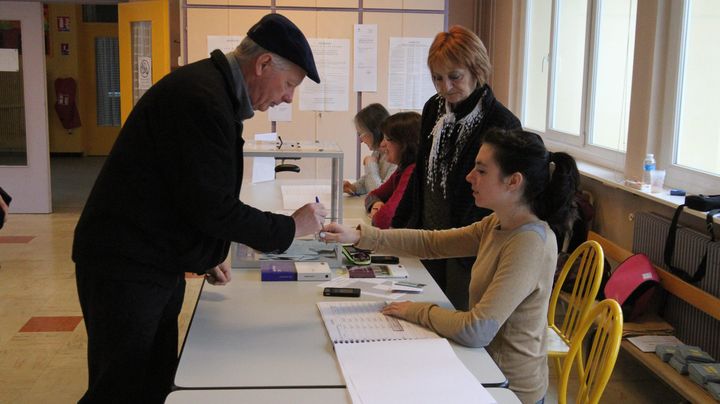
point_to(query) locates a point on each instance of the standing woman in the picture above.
(530, 191)
(454, 122)
(377, 168)
(400, 143)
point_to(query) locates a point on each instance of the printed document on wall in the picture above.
(225, 43)
(409, 81)
(365, 58)
(332, 58)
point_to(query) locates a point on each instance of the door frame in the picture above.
(29, 185)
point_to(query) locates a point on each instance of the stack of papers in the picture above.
(421, 371)
(387, 360)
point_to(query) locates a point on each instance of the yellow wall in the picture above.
(58, 66)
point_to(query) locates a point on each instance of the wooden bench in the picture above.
(694, 296)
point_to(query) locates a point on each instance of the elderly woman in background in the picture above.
(377, 168)
(400, 143)
(454, 122)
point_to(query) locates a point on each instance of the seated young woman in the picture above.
(376, 167)
(400, 144)
(530, 190)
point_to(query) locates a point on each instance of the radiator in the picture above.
(692, 326)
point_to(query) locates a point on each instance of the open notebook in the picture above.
(361, 321)
(387, 360)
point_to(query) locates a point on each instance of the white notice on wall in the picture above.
(225, 43)
(280, 113)
(144, 72)
(332, 58)
(9, 60)
(365, 57)
(409, 81)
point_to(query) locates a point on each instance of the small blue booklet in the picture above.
(278, 271)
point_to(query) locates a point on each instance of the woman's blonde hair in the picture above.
(460, 46)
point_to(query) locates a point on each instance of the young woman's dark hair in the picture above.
(370, 119)
(551, 179)
(403, 128)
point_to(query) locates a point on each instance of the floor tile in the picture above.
(51, 324)
(16, 239)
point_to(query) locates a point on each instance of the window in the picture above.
(107, 73)
(578, 74)
(577, 80)
(698, 130)
(100, 13)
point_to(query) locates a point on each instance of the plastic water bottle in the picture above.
(648, 168)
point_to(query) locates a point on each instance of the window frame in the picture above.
(579, 146)
(691, 180)
(654, 118)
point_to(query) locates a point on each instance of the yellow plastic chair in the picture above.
(593, 377)
(590, 258)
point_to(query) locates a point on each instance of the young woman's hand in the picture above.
(336, 233)
(397, 309)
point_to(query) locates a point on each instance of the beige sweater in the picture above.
(509, 292)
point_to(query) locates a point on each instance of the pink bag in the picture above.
(632, 284)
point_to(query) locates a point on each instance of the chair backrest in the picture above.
(588, 260)
(595, 373)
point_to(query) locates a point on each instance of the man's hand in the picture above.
(309, 219)
(220, 275)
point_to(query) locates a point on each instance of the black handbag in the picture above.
(703, 203)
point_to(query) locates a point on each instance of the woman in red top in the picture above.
(400, 143)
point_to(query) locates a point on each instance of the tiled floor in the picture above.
(42, 337)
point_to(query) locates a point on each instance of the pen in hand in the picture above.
(320, 235)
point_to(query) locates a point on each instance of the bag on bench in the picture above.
(703, 203)
(632, 284)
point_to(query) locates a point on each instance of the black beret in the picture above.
(277, 34)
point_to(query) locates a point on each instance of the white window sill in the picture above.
(615, 179)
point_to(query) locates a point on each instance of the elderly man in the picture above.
(166, 202)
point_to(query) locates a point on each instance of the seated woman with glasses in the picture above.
(376, 167)
(400, 144)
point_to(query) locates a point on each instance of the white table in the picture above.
(296, 396)
(253, 334)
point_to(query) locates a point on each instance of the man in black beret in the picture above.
(166, 202)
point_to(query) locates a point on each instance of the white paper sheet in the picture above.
(264, 167)
(225, 43)
(409, 81)
(647, 343)
(365, 57)
(332, 58)
(416, 371)
(144, 73)
(280, 113)
(9, 60)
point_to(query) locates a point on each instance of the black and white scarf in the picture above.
(448, 140)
